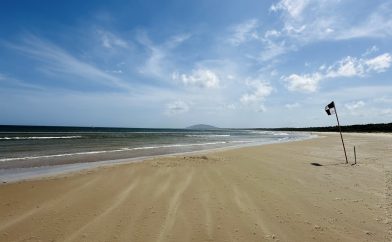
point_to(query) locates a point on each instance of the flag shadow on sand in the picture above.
(332, 164)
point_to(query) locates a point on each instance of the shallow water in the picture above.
(21, 149)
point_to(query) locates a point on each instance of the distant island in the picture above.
(202, 127)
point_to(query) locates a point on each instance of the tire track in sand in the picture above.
(242, 200)
(388, 204)
(118, 200)
(173, 207)
(46, 206)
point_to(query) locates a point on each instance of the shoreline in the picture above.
(32, 173)
(258, 193)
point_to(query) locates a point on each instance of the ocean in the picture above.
(33, 146)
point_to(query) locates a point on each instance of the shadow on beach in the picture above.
(334, 164)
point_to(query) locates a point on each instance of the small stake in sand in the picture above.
(355, 156)
(331, 109)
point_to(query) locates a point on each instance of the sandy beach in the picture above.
(264, 193)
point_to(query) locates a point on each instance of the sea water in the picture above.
(27, 147)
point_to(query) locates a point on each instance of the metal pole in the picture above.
(341, 136)
(355, 156)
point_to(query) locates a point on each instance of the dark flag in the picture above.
(330, 108)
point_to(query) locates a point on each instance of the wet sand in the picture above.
(265, 193)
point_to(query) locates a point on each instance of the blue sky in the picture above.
(177, 63)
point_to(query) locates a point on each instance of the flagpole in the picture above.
(341, 136)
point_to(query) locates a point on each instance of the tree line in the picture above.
(365, 128)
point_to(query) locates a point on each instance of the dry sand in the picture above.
(266, 193)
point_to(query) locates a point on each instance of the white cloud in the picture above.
(272, 33)
(177, 107)
(293, 7)
(304, 83)
(329, 20)
(344, 68)
(351, 66)
(379, 63)
(176, 40)
(272, 49)
(322, 67)
(260, 90)
(116, 71)
(110, 40)
(292, 105)
(265, 46)
(347, 67)
(371, 50)
(203, 78)
(244, 32)
(153, 65)
(377, 24)
(294, 30)
(355, 105)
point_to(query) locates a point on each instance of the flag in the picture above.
(330, 108)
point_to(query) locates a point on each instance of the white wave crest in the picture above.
(208, 135)
(112, 151)
(281, 133)
(41, 137)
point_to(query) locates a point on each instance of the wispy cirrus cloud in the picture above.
(309, 21)
(58, 62)
(273, 49)
(12, 82)
(244, 32)
(377, 24)
(110, 40)
(158, 55)
(302, 21)
(264, 45)
(294, 8)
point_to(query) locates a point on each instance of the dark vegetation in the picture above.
(368, 128)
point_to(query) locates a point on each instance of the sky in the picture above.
(175, 63)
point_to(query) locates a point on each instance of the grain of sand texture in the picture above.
(265, 193)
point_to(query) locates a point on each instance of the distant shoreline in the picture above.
(369, 128)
